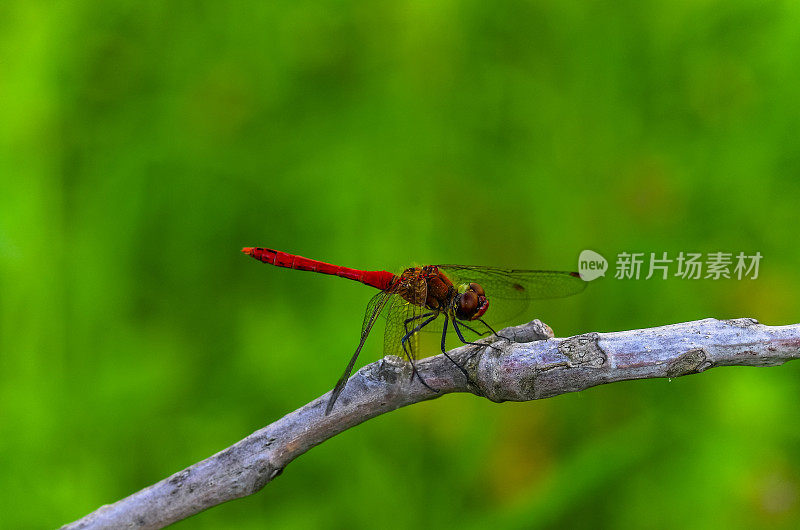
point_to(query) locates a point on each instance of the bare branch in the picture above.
(521, 369)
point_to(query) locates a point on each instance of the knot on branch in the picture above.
(691, 362)
(745, 322)
(583, 350)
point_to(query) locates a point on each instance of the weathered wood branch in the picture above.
(530, 365)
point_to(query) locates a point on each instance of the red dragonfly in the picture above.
(413, 300)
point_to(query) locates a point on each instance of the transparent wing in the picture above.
(510, 290)
(407, 312)
(511, 284)
(374, 308)
(403, 323)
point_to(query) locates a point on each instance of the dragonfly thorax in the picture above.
(439, 290)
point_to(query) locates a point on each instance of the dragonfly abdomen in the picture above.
(378, 279)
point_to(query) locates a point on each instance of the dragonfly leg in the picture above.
(411, 333)
(409, 320)
(444, 350)
(475, 331)
(482, 321)
(460, 336)
(405, 350)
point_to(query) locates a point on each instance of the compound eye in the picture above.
(468, 303)
(477, 289)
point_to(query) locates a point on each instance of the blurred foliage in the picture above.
(144, 143)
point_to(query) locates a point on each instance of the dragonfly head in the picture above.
(472, 303)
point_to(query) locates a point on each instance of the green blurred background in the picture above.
(144, 143)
